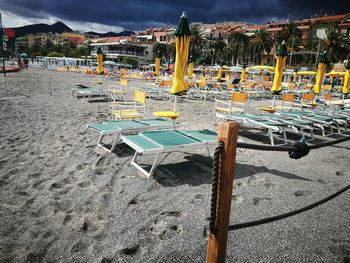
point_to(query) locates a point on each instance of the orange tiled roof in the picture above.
(76, 40)
(344, 25)
(327, 18)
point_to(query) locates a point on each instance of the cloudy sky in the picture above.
(116, 15)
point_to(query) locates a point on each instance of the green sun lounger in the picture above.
(272, 126)
(158, 142)
(120, 127)
(320, 121)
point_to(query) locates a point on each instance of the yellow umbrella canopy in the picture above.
(182, 34)
(306, 73)
(157, 63)
(321, 69)
(335, 74)
(280, 62)
(243, 73)
(346, 84)
(99, 61)
(261, 68)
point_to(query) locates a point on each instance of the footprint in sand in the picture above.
(198, 198)
(302, 193)
(271, 186)
(165, 225)
(3, 183)
(258, 200)
(237, 199)
(256, 180)
(128, 254)
(79, 246)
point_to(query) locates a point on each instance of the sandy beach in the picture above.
(65, 200)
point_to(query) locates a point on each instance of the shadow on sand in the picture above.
(196, 170)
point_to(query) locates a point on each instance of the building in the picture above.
(119, 47)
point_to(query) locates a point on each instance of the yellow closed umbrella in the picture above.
(190, 68)
(280, 62)
(157, 62)
(99, 61)
(346, 84)
(295, 76)
(321, 69)
(182, 33)
(243, 73)
(220, 71)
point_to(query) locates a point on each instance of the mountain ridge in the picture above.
(60, 28)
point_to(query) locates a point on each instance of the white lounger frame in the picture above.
(279, 128)
(157, 152)
(118, 134)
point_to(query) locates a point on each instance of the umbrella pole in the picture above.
(273, 101)
(174, 109)
(175, 104)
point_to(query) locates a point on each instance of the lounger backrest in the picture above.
(202, 84)
(124, 82)
(230, 86)
(327, 87)
(140, 96)
(328, 97)
(288, 97)
(240, 97)
(308, 96)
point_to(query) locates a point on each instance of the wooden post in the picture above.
(217, 242)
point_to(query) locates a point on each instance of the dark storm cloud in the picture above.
(138, 14)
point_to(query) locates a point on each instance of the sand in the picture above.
(65, 200)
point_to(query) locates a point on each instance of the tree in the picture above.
(337, 45)
(131, 61)
(239, 43)
(197, 44)
(160, 47)
(55, 54)
(261, 42)
(292, 35)
(215, 48)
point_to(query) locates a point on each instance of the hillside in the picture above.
(57, 27)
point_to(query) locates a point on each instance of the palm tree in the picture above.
(171, 50)
(197, 44)
(289, 33)
(261, 41)
(216, 49)
(337, 45)
(159, 47)
(239, 42)
(292, 35)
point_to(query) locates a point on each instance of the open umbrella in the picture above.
(24, 55)
(99, 61)
(109, 63)
(157, 62)
(280, 62)
(321, 69)
(346, 84)
(182, 34)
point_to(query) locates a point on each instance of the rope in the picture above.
(288, 148)
(215, 185)
(288, 214)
